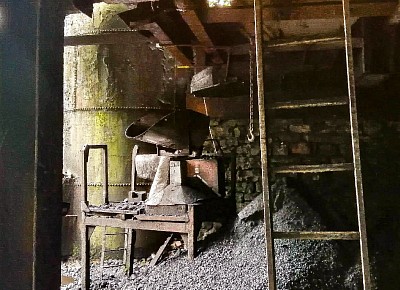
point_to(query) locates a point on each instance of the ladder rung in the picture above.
(114, 250)
(314, 44)
(316, 235)
(313, 168)
(113, 266)
(310, 103)
(115, 234)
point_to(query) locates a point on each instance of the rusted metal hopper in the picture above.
(213, 82)
(177, 130)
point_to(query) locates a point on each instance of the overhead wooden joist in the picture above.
(163, 38)
(194, 23)
(123, 37)
(309, 10)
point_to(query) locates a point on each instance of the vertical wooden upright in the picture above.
(356, 146)
(355, 165)
(269, 242)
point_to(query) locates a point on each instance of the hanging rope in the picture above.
(250, 134)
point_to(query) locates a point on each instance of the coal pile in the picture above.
(236, 260)
(137, 206)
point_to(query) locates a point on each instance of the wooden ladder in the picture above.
(126, 249)
(355, 165)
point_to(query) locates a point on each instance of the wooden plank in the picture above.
(143, 217)
(310, 103)
(323, 10)
(314, 44)
(121, 37)
(319, 168)
(160, 251)
(194, 23)
(358, 183)
(163, 38)
(175, 227)
(262, 121)
(316, 235)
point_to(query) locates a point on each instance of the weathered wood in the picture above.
(143, 217)
(194, 23)
(191, 238)
(85, 254)
(310, 103)
(163, 38)
(262, 120)
(319, 168)
(356, 146)
(323, 10)
(130, 250)
(160, 251)
(121, 37)
(175, 227)
(313, 44)
(316, 235)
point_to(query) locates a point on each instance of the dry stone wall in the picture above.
(296, 141)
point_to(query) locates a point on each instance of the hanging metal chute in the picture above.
(213, 82)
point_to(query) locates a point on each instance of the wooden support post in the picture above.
(356, 147)
(269, 242)
(130, 250)
(160, 251)
(85, 255)
(191, 240)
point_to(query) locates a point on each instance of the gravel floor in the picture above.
(237, 261)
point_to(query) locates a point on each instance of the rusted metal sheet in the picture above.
(236, 107)
(211, 171)
(213, 82)
(178, 130)
(166, 210)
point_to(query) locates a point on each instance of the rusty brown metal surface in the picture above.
(234, 108)
(213, 82)
(183, 129)
(209, 170)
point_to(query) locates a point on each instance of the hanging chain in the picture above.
(209, 127)
(250, 134)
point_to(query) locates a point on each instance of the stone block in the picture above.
(371, 127)
(300, 148)
(300, 128)
(280, 149)
(255, 151)
(286, 137)
(327, 149)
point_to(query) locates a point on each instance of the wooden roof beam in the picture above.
(164, 40)
(194, 23)
(319, 10)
